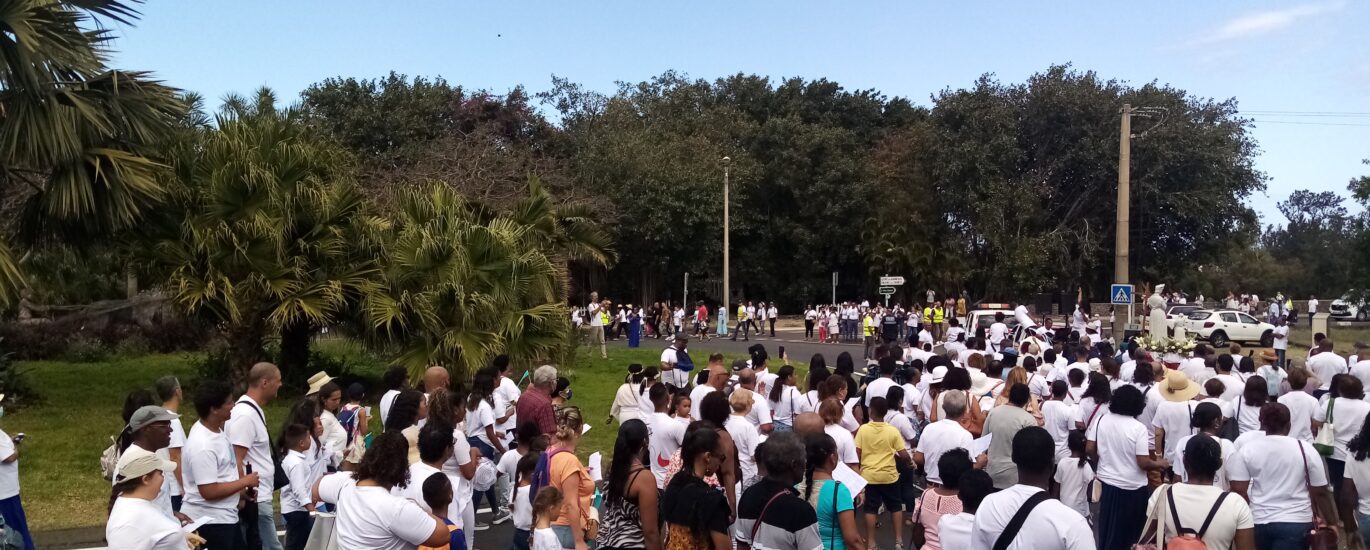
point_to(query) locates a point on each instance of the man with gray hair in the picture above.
(535, 405)
(770, 513)
(943, 435)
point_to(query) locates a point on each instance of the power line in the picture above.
(1306, 123)
(1306, 113)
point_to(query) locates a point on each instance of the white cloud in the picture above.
(1264, 22)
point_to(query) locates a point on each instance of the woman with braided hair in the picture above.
(1217, 517)
(830, 499)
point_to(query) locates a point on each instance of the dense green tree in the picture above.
(76, 136)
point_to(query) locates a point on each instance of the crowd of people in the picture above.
(1071, 445)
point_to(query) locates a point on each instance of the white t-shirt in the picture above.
(508, 392)
(545, 539)
(1192, 504)
(371, 517)
(1120, 439)
(846, 444)
(1359, 472)
(1361, 370)
(1232, 387)
(1325, 365)
(1074, 480)
(508, 467)
(418, 473)
(387, 399)
(1228, 408)
(1281, 343)
(667, 434)
(1058, 417)
(478, 419)
(1347, 415)
(938, 438)
(1248, 417)
(761, 411)
(1174, 417)
(901, 422)
(745, 438)
(1219, 479)
(1051, 526)
(461, 487)
(953, 530)
(178, 440)
(670, 374)
(247, 429)
(1275, 469)
(208, 458)
(137, 524)
(997, 332)
(1301, 407)
(595, 319)
(880, 387)
(785, 408)
(697, 397)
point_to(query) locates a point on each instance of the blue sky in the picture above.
(1271, 56)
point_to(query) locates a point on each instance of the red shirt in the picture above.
(702, 314)
(535, 405)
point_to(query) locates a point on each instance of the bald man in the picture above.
(435, 377)
(251, 439)
(718, 379)
(806, 424)
(760, 416)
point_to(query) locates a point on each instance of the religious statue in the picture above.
(1160, 327)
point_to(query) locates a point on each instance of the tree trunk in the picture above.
(294, 357)
(244, 348)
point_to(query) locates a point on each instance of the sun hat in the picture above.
(1269, 356)
(1178, 388)
(147, 415)
(980, 383)
(938, 373)
(317, 382)
(138, 462)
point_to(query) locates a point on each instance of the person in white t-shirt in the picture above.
(369, 514)
(1074, 474)
(296, 496)
(1279, 475)
(435, 449)
(943, 435)
(247, 431)
(506, 422)
(677, 378)
(151, 429)
(1301, 404)
(1058, 417)
(1174, 414)
(1050, 525)
(1201, 501)
(717, 380)
(169, 392)
(998, 331)
(667, 434)
(1324, 364)
(1208, 420)
(744, 434)
(1121, 445)
(831, 411)
(135, 523)
(760, 415)
(210, 470)
(1348, 411)
(396, 380)
(1280, 340)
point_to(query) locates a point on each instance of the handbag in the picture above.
(1230, 428)
(918, 535)
(1326, 440)
(974, 420)
(1320, 537)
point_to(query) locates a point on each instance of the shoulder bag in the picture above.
(1155, 523)
(1231, 427)
(278, 476)
(918, 535)
(757, 526)
(1321, 537)
(1326, 440)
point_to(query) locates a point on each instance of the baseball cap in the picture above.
(147, 415)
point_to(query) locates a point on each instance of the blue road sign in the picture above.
(1120, 294)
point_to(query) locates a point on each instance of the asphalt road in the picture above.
(792, 339)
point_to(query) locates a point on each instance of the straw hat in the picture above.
(317, 382)
(1178, 387)
(1269, 356)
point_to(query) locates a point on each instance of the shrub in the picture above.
(84, 349)
(133, 346)
(14, 382)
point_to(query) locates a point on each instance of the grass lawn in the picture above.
(59, 465)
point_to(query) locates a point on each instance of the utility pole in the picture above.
(727, 288)
(1120, 259)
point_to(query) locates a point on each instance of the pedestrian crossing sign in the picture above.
(1121, 295)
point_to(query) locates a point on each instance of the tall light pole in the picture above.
(727, 288)
(1120, 242)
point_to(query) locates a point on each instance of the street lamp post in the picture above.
(727, 289)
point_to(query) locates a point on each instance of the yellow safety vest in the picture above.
(741, 313)
(937, 316)
(927, 314)
(870, 326)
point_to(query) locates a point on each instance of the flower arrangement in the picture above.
(1180, 345)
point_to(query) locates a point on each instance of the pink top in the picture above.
(930, 508)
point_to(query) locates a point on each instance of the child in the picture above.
(437, 493)
(295, 497)
(528, 441)
(681, 407)
(354, 418)
(1074, 474)
(545, 509)
(879, 445)
(519, 503)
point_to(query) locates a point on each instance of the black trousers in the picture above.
(772, 320)
(808, 328)
(297, 528)
(223, 536)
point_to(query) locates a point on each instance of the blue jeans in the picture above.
(1282, 536)
(487, 451)
(1364, 522)
(297, 527)
(782, 426)
(521, 537)
(1280, 354)
(564, 536)
(266, 526)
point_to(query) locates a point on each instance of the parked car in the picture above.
(1219, 327)
(1180, 311)
(1350, 307)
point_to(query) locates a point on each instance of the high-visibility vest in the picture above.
(741, 313)
(870, 326)
(937, 315)
(927, 313)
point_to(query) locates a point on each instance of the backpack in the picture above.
(683, 361)
(110, 458)
(1185, 538)
(542, 472)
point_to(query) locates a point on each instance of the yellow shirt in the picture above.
(961, 307)
(879, 442)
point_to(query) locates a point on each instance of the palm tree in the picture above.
(461, 285)
(571, 231)
(76, 137)
(264, 231)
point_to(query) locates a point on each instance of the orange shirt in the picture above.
(564, 465)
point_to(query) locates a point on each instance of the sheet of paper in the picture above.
(192, 526)
(596, 463)
(854, 482)
(584, 428)
(980, 445)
